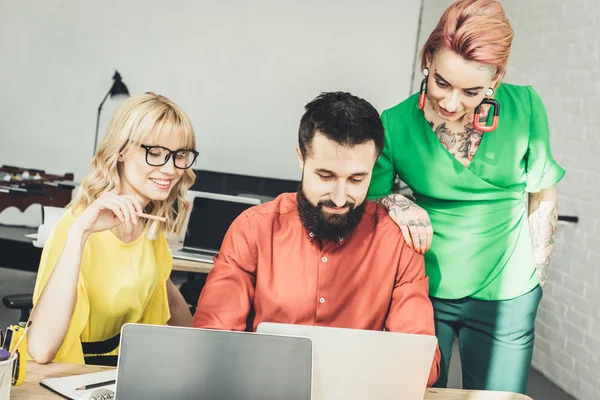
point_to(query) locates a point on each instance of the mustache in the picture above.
(331, 204)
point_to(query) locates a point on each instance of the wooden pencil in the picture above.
(150, 216)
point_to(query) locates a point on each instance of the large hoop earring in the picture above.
(423, 90)
(494, 103)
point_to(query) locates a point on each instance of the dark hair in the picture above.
(341, 117)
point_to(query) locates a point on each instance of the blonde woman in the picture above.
(104, 265)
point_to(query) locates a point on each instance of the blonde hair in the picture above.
(478, 30)
(140, 118)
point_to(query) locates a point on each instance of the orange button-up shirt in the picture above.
(271, 269)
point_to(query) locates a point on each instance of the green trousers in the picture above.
(495, 340)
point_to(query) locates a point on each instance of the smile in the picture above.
(336, 210)
(447, 113)
(161, 183)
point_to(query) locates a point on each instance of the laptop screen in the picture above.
(209, 221)
(160, 362)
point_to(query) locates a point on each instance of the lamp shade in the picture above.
(118, 88)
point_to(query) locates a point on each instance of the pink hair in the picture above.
(478, 30)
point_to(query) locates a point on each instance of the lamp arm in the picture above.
(98, 120)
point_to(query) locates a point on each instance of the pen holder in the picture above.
(20, 364)
(6, 377)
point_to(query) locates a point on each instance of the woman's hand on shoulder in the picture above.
(413, 221)
(108, 211)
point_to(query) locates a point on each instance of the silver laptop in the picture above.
(162, 362)
(211, 216)
(351, 364)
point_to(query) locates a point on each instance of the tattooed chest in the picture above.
(461, 143)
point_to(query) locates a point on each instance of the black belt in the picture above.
(96, 352)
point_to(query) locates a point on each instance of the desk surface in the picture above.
(191, 266)
(31, 389)
(187, 265)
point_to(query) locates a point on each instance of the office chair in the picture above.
(22, 302)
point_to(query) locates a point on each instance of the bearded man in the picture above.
(324, 255)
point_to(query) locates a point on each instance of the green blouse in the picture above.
(481, 244)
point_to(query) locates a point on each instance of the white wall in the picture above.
(557, 50)
(242, 70)
(432, 11)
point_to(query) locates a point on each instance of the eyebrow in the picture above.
(441, 78)
(326, 171)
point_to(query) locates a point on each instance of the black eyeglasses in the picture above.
(157, 156)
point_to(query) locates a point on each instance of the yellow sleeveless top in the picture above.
(118, 283)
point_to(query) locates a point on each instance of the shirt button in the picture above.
(324, 259)
(311, 234)
(341, 239)
(322, 300)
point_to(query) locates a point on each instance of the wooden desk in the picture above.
(191, 266)
(31, 389)
(187, 265)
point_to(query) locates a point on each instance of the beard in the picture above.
(324, 225)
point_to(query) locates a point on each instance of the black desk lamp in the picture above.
(118, 88)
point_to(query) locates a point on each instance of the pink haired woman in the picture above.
(476, 153)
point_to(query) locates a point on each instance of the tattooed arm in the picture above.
(396, 202)
(543, 220)
(413, 221)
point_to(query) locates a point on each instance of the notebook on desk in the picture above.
(83, 387)
(211, 216)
